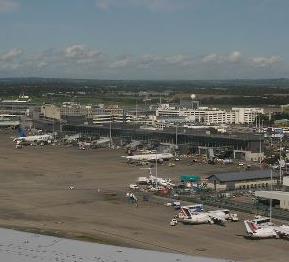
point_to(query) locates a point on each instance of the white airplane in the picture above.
(262, 227)
(34, 139)
(150, 157)
(196, 218)
(72, 138)
(102, 140)
(226, 214)
(195, 215)
(160, 181)
(256, 232)
(282, 231)
(86, 145)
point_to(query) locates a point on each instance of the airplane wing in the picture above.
(102, 141)
(282, 231)
(217, 219)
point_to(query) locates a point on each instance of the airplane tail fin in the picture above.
(21, 132)
(250, 227)
(186, 212)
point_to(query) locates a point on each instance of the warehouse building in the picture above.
(280, 198)
(249, 180)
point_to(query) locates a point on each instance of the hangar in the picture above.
(255, 179)
(279, 197)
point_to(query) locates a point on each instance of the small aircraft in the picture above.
(73, 138)
(283, 231)
(262, 227)
(256, 232)
(45, 139)
(28, 140)
(189, 216)
(94, 143)
(150, 157)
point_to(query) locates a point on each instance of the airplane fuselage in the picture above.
(150, 157)
(31, 139)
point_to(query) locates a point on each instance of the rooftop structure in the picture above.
(278, 196)
(243, 176)
(242, 180)
(19, 106)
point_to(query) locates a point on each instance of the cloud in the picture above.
(8, 6)
(42, 64)
(122, 62)
(234, 57)
(11, 55)
(180, 60)
(174, 60)
(81, 61)
(265, 61)
(10, 67)
(210, 58)
(81, 54)
(104, 5)
(153, 5)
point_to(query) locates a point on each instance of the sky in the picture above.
(145, 39)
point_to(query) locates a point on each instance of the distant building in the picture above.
(208, 115)
(68, 109)
(75, 113)
(9, 121)
(255, 179)
(20, 106)
(280, 198)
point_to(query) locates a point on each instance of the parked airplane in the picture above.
(103, 140)
(160, 181)
(24, 139)
(150, 157)
(34, 139)
(255, 231)
(211, 217)
(283, 231)
(93, 144)
(262, 227)
(73, 138)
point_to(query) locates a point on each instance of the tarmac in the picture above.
(35, 196)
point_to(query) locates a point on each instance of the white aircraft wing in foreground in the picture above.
(282, 231)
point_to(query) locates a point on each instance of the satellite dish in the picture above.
(193, 96)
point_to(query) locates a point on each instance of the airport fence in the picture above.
(255, 208)
(250, 208)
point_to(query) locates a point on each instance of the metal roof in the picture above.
(280, 195)
(241, 176)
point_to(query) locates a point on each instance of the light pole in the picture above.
(156, 169)
(110, 139)
(270, 208)
(280, 168)
(176, 136)
(260, 151)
